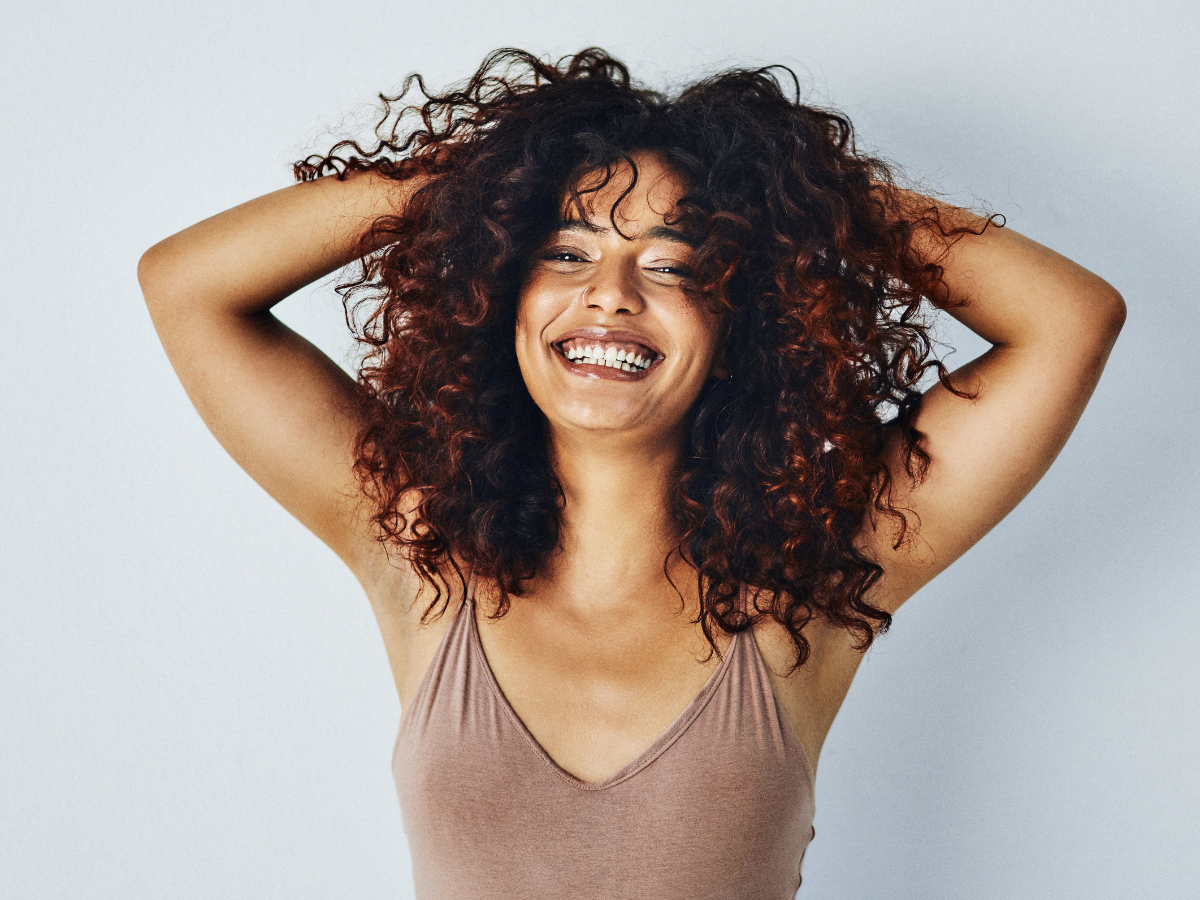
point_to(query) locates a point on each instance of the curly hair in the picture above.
(803, 242)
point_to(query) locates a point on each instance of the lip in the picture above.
(597, 333)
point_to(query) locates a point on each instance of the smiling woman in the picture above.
(640, 408)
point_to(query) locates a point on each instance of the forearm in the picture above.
(1015, 292)
(246, 259)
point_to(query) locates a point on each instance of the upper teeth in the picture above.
(597, 355)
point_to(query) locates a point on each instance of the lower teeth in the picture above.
(624, 367)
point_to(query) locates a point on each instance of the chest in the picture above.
(595, 698)
(594, 695)
(719, 805)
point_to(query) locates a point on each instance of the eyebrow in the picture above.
(657, 232)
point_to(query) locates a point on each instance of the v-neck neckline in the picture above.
(657, 747)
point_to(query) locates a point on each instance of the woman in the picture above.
(637, 465)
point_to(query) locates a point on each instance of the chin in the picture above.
(598, 418)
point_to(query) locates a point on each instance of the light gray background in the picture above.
(195, 701)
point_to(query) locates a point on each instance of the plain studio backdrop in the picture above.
(194, 700)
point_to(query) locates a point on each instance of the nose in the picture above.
(612, 292)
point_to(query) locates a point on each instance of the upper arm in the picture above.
(282, 409)
(987, 451)
(277, 404)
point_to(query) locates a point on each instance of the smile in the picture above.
(626, 356)
(588, 356)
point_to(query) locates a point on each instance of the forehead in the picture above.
(632, 231)
(646, 192)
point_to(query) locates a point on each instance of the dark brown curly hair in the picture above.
(803, 242)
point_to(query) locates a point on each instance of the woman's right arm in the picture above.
(276, 403)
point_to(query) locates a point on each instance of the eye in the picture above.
(671, 271)
(563, 255)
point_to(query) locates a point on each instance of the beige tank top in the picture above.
(719, 807)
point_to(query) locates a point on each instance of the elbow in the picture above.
(1105, 318)
(149, 274)
(159, 277)
(1110, 312)
(1091, 318)
(1099, 311)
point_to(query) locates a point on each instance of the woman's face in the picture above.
(607, 340)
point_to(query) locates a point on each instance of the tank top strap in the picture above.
(448, 664)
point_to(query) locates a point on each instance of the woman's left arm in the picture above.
(1051, 324)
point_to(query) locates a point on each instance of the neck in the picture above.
(617, 528)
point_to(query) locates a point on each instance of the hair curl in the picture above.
(803, 241)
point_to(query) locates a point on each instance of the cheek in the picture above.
(704, 333)
(525, 329)
(531, 323)
(535, 310)
(524, 355)
(520, 334)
